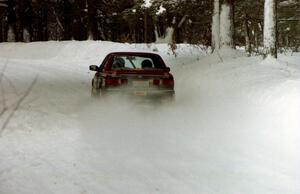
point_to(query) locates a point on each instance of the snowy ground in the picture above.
(234, 127)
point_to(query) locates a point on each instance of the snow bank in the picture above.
(91, 52)
(233, 128)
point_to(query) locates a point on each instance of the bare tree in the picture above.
(3, 8)
(92, 25)
(215, 38)
(226, 24)
(270, 42)
(11, 19)
(247, 34)
(25, 19)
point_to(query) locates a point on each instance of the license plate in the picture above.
(140, 83)
(140, 93)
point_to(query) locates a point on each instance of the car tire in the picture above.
(96, 88)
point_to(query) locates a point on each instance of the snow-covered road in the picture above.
(234, 127)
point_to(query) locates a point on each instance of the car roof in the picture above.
(134, 53)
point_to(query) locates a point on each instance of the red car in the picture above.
(141, 74)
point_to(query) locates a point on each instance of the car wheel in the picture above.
(95, 88)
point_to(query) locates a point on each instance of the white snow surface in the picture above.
(233, 128)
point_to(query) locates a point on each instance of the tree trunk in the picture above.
(92, 25)
(11, 21)
(226, 24)
(270, 42)
(145, 26)
(11, 36)
(215, 38)
(1, 27)
(247, 35)
(26, 35)
(79, 32)
(25, 16)
(256, 43)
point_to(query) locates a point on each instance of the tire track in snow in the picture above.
(5, 105)
(19, 102)
(4, 108)
(11, 85)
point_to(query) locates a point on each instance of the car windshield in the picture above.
(136, 62)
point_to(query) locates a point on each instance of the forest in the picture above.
(131, 21)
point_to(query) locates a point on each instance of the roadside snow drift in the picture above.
(233, 128)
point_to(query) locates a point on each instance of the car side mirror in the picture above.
(168, 69)
(94, 68)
